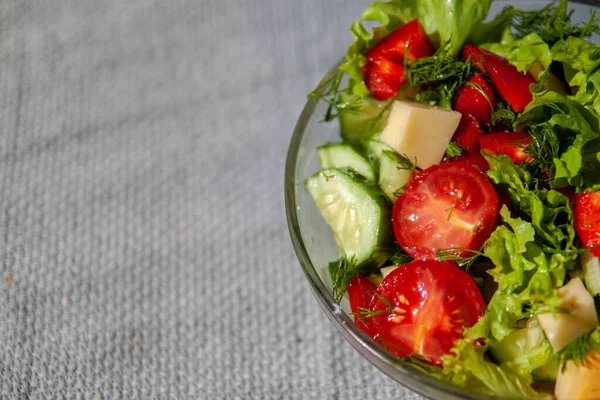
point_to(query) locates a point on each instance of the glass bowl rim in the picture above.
(401, 371)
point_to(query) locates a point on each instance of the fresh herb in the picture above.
(543, 148)
(342, 271)
(463, 260)
(438, 76)
(365, 313)
(504, 115)
(552, 23)
(328, 91)
(396, 255)
(454, 150)
(578, 350)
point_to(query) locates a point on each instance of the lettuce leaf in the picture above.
(548, 210)
(576, 128)
(443, 20)
(581, 61)
(531, 251)
(469, 367)
(523, 52)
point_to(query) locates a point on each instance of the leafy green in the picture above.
(342, 271)
(438, 76)
(548, 210)
(579, 348)
(469, 367)
(581, 61)
(552, 22)
(523, 52)
(577, 129)
(531, 252)
(454, 150)
(443, 21)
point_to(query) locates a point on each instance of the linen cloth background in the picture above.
(144, 249)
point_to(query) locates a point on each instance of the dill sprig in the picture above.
(365, 313)
(455, 255)
(504, 115)
(342, 271)
(552, 23)
(578, 350)
(544, 146)
(438, 76)
(328, 91)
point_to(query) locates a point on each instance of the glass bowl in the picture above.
(315, 247)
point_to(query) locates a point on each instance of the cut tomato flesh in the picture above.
(384, 70)
(421, 309)
(360, 292)
(512, 144)
(587, 220)
(447, 206)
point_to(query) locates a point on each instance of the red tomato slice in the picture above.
(467, 133)
(431, 304)
(506, 79)
(383, 78)
(409, 40)
(587, 220)
(475, 98)
(450, 205)
(384, 70)
(509, 143)
(360, 292)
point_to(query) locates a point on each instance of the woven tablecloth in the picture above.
(143, 243)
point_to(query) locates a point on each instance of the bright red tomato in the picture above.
(360, 292)
(450, 205)
(384, 70)
(383, 78)
(409, 40)
(509, 143)
(587, 220)
(506, 79)
(466, 134)
(431, 304)
(475, 98)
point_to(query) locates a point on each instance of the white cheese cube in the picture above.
(579, 381)
(580, 317)
(420, 132)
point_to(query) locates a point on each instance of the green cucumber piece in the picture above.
(375, 147)
(344, 156)
(357, 213)
(393, 174)
(591, 272)
(360, 117)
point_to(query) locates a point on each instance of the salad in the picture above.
(464, 192)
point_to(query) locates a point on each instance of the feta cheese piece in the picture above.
(420, 132)
(580, 316)
(581, 380)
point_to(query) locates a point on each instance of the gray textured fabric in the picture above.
(144, 250)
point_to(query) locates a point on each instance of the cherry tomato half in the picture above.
(360, 292)
(587, 220)
(446, 206)
(421, 309)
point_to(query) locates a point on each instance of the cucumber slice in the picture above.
(343, 155)
(393, 174)
(591, 272)
(356, 211)
(375, 147)
(360, 117)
